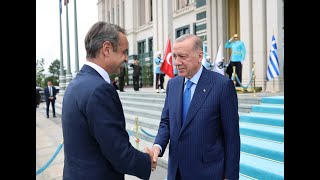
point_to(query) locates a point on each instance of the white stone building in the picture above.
(149, 23)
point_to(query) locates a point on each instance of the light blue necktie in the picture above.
(186, 100)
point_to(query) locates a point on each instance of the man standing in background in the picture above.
(237, 56)
(122, 74)
(50, 96)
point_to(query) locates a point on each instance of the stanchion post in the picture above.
(234, 75)
(137, 131)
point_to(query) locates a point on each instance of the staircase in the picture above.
(261, 129)
(262, 140)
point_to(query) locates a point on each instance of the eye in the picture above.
(125, 52)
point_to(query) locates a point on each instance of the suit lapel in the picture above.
(179, 90)
(200, 94)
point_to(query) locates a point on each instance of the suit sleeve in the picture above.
(107, 123)
(230, 125)
(163, 135)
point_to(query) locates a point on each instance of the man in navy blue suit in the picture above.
(96, 143)
(200, 118)
(50, 97)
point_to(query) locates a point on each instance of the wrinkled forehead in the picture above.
(183, 47)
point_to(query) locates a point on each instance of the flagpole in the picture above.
(68, 75)
(76, 40)
(62, 77)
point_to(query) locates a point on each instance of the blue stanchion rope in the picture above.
(245, 87)
(147, 133)
(50, 160)
(130, 132)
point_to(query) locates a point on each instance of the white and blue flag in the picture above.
(273, 63)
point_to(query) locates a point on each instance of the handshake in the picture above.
(153, 154)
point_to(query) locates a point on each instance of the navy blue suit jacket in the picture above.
(207, 145)
(96, 143)
(47, 95)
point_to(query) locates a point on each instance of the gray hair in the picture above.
(98, 34)
(197, 41)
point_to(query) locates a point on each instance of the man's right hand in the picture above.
(151, 155)
(156, 152)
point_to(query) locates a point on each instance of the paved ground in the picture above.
(49, 137)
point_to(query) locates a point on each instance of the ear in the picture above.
(200, 56)
(106, 48)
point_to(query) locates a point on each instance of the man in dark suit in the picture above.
(121, 76)
(38, 97)
(50, 97)
(200, 118)
(136, 73)
(96, 143)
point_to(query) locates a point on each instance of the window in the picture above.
(141, 47)
(182, 4)
(151, 10)
(142, 13)
(181, 31)
(150, 44)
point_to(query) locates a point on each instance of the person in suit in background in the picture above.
(96, 143)
(121, 76)
(136, 73)
(38, 98)
(50, 97)
(205, 139)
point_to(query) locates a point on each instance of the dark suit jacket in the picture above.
(47, 95)
(96, 143)
(207, 146)
(136, 70)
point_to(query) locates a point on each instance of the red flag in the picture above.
(167, 66)
(65, 2)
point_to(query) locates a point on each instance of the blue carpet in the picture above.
(269, 108)
(262, 131)
(273, 100)
(263, 118)
(261, 168)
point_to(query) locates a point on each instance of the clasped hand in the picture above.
(153, 154)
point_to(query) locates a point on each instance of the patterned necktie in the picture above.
(186, 100)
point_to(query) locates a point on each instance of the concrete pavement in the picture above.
(49, 137)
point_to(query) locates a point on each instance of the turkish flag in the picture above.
(167, 66)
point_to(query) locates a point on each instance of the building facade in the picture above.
(149, 23)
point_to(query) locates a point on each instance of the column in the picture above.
(259, 45)
(275, 25)
(62, 77)
(168, 31)
(155, 6)
(68, 75)
(147, 10)
(246, 36)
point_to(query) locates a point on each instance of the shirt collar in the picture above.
(100, 70)
(196, 77)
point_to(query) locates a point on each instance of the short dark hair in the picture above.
(98, 34)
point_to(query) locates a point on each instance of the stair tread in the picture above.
(260, 127)
(257, 162)
(261, 143)
(270, 105)
(263, 115)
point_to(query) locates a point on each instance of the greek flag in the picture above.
(273, 63)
